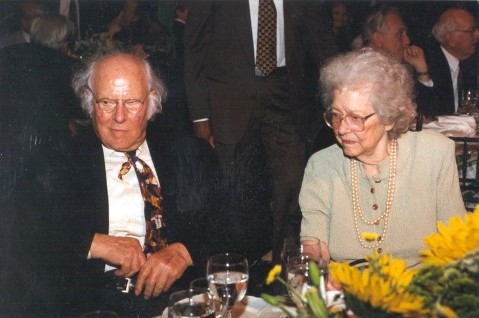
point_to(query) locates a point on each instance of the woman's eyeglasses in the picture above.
(354, 122)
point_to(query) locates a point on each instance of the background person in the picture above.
(457, 37)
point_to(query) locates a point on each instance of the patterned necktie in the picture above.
(266, 42)
(155, 238)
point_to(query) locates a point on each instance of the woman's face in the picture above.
(368, 145)
(340, 16)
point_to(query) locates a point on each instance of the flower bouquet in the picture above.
(94, 44)
(313, 304)
(446, 285)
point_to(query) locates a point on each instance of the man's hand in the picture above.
(162, 269)
(203, 130)
(414, 56)
(122, 252)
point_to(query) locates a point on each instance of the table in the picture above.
(467, 162)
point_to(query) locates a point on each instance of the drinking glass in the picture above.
(295, 246)
(193, 302)
(469, 99)
(228, 278)
(297, 253)
(203, 283)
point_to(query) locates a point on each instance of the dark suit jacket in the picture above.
(438, 100)
(219, 61)
(178, 30)
(62, 204)
(36, 102)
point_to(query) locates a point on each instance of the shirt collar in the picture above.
(451, 60)
(111, 152)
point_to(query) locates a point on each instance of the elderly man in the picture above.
(385, 32)
(137, 208)
(457, 35)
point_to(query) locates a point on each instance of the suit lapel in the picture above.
(446, 80)
(240, 10)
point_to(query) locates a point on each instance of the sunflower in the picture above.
(381, 287)
(452, 243)
(369, 236)
(273, 274)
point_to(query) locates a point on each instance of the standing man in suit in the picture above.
(457, 36)
(237, 104)
(126, 214)
(178, 29)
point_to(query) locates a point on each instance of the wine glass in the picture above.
(298, 252)
(469, 99)
(228, 278)
(295, 246)
(203, 283)
(191, 303)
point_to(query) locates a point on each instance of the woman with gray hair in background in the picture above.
(381, 187)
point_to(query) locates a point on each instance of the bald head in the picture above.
(456, 31)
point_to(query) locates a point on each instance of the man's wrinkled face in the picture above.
(393, 38)
(120, 78)
(462, 41)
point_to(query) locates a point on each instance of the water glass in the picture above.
(228, 276)
(298, 278)
(469, 99)
(203, 283)
(191, 303)
(297, 253)
(295, 246)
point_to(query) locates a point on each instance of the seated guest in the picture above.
(27, 10)
(37, 99)
(134, 209)
(378, 178)
(385, 32)
(457, 35)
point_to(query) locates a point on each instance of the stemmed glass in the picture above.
(297, 255)
(228, 276)
(203, 283)
(193, 302)
(469, 99)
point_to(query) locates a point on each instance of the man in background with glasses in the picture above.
(450, 69)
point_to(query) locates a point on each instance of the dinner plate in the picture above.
(253, 307)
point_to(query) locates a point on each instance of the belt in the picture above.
(122, 284)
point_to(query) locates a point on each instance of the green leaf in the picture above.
(270, 299)
(314, 273)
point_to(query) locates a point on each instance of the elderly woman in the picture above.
(381, 187)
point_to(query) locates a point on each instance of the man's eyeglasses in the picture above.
(108, 105)
(471, 30)
(354, 122)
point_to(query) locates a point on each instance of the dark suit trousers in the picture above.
(273, 133)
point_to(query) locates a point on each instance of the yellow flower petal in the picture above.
(273, 273)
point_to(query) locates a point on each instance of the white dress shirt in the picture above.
(454, 68)
(126, 205)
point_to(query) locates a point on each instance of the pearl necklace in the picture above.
(358, 213)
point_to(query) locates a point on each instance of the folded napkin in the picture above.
(454, 126)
